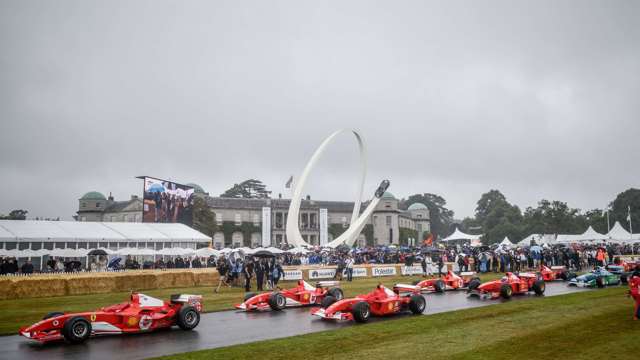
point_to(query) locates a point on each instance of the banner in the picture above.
(324, 232)
(322, 273)
(266, 226)
(293, 275)
(357, 272)
(412, 270)
(383, 271)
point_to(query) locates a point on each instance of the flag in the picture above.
(629, 214)
(288, 184)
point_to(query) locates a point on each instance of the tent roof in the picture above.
(506, 241)
(459, 235)
(618, 233)
(31, 230)
(591, 235)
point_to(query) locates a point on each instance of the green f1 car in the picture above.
(597, 278)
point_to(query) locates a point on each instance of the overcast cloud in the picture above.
(538, 99)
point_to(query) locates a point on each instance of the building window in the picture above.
(419, 215)
(23, 246)
(238, 219)
(304, 221)
(219, 218)
(83, 218)
(313, 221)
(97, 205)
(10, 245)
(388, 220)
(256, 219)
(279, 220)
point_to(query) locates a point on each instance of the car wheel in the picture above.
(188, 318)
(417, 304)
(52, 315)
(76, 330)
(538, 287)
(361, 312)
(506, 291)
(439, 286)
(249, 295)
(336, 293)
(277, 301)
(563, 275)
(600, 282)
(473, 284)
(327, 301)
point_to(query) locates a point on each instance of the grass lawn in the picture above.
(583, 325)
(16, 313)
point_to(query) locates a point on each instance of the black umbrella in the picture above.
(96, 252)
(263, 254)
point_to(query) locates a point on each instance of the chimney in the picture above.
(279, 195)
(308, 197)
(110, 198)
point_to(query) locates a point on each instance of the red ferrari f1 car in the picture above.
(510, 284)
(141, 314)
(303, 294)
(555, 273)
(379, 302)
(450, 281)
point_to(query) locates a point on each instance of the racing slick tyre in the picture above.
(538, 287)
(76, 330)
(623, 279)
(188, 318)
(417, 304)
(439, 286)
(52, 315)
(327, 301)
(473, 284)
(336, 293)
(600, 282)
(277, 301)
(249, 295)
(361, 312)
(506, 291)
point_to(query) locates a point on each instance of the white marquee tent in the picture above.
(506, 242)
(459, 235)
(619, 234)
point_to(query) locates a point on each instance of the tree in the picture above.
(441, 218)
(498, 217)
(620, 206)
(204, 219)
(554, 217)
(15, 215)
(248, 189)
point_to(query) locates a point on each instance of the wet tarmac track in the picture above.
(225, 328)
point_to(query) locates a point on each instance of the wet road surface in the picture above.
(225, 328)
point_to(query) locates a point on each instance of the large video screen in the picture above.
(167, 202)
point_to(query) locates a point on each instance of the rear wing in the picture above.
(185, 298)
(325, 284)
(558, 268)
(405, 288)
(468, 273)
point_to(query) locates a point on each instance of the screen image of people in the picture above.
(167, 202)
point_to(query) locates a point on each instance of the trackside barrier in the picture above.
(96, 282)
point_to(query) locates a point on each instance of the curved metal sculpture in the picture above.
(357, 220)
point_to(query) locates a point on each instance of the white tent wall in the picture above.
(459, 235)
(49, 235)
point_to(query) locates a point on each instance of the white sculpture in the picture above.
(357, 222)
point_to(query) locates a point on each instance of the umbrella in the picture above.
(115, 262)
(96, 252)
(263, 253)
(156, 188)
(206, 252)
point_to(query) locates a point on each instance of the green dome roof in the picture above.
(196, 188)
(417, 206)
(387, 195)
(93, 195)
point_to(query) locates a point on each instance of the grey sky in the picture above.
(538, 99)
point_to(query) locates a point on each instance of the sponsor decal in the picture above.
(390, 306)
(293, 274)
(322, 273)
(93, 317)
(306, 296)
(383, 271)
(132, 321)
(412, 270)
(145, 322)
